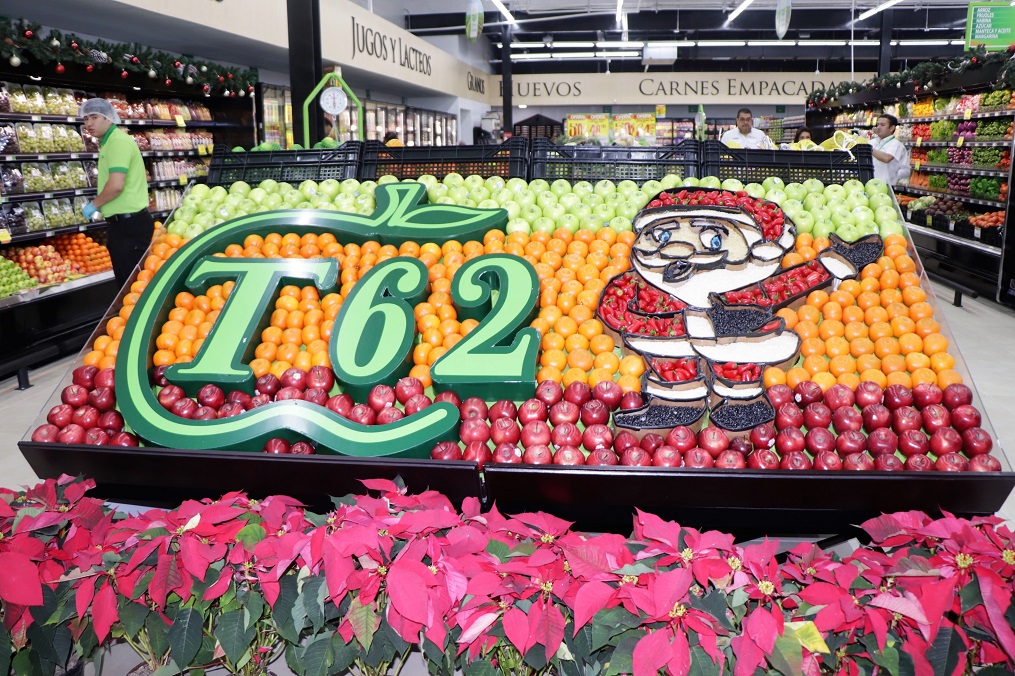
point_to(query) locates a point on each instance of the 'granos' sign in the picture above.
(475, 83)
(374, 44)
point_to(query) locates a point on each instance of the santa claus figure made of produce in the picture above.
(682, 307)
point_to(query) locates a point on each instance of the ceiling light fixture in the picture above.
(618, 55)
(864, 43)
(620, 5)
(502, 8)
(743, 5)
(821, 43)
(962, 42)
(670, 43)
(574, 45)
(721, 43)
(528, 45)
(574, 55)
(871, 12)
(619, 44)
(623, 24)
(771, 43)
(530, 57)
(923, 43)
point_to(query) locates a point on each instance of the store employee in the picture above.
(891, 159)
(745, 135)
(123, 189)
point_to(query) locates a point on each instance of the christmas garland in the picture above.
(922, 76)
(23, 41)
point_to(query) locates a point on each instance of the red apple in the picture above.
(698, 458)
(956, 395)
(287, 394)
(564, 411)
(209, 413)
(608, 392)
(474, 429)
(159, 376)
(505, 431)
(888, 463)
(850, 441)
(577, 393)
(779, 395)
(184, 407)
(631, 401)
(682, 439)
(380, 397)
(919, 463)
(713, 440)
(211, 395)
(96, 437)
(926, 394)
(448, 397)
(914, 442)
(507, 453)
(818, 440)
(549, 392)
(46, 434)
(868, 392)
(445, 450)
(857, 462)
(763, 458)
(976, 441)
(839, 395)
(730, 459)
(602, 456)
(124, 439)
(566, 434)
(667, 456)
(763, 436)
(817, 414)
(60, 415)
(789, 416)
(389, 415)
(535, 433)
(86, 416)
(314, 395)
(828, 461)
(623, 440)
(951, 462)
(882, 441)
(897, 396)
(341, 404)
(537, 454)
(363, 414)
(906, 418)
(847, 419)
(964, 417)
(169, 394)
(795, 460)
(636, 457)
(417, 403)
(84, 376)
(594, 412)
(875, 416)
(789, 440)
(935, 416)
(597, 436)
(267, 384)
(532, 409)
(294, 377)
(651, 441)
(945, 440)
(111, 421)
(72, 434)
(807, 392)
(74, 396)
(106, 378)
(504, 408)
(276, 446)
(321, 377)
(243, 399)
(568, 455)
(478, 452)
(473, 407)
(984, 463)
(302, 448)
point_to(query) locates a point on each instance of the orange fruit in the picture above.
(580, 359)
(868, 299)
(815, 364)
(885, 346)
(797, 375)
(830, 327)
(923, 375)
(926, 326)
(855, 329)
(790, 317)
(910, 342)
(850, 286)
(874, 376)
(601, 343)
(874, 315)
(942, 361)
(574, 375)
(844, 363)
(948, 377)
(871, 270)
(817, 298)
(866, 362)
(899, 378)
(808, 313)
(917, 360)
(773, 376)
(889, 296)
(555, 358)
(607, 360)
(850, 380)
(824, 379)
(812, 346)
(831, 310)
(921, 310)
(791, 259)
(842, 298)
(892, 363)
(861, 346)
(836, 346)
(628, 383)
(806, 329)
(913, 294)
(897, 310)
(549, 373)
(902, 325)
(633, 365)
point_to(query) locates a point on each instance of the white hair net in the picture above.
(99, 107)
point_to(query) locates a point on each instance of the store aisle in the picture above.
(983, 331)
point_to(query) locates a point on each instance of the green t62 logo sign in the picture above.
(372, 338)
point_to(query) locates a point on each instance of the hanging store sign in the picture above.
(670, 88)
(990, 25)
(783, 11)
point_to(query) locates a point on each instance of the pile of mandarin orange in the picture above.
(572, 271)
(879, 328)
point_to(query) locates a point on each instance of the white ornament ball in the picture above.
(204, 69)
(152, 74)
(54, 42)
(15, 61)
(190, 80)
(243, 92)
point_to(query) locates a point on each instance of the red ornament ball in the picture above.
(74, 45)
(229, 75)
(206, 89)
(60, 68)
(221, 79)
(168, 82)
(89, 68)
(176, 64)
(29, 34)
(123, 74)
(250, 89)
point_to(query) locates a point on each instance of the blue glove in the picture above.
(89, 210)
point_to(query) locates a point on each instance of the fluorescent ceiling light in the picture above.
(721, 43)
(620, 5)
(870, 12)
(771, 43)
(864, 43)
(530, 57)
(743, 5)
(618, 55)
(574, 45)
(822, 43)
(528, 45)
(623, 22)
(670, 43)
(499, 4)
(962, 42)
(923, 43)
(574, 55)
(619, 44)
(523, 105)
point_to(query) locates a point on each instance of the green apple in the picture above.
(546, 198)
(453, 179)
(345, 202)
(479, 193)
(814, 199)
(436, 192)
(710, 182)
(293, 198)
(569, 222)
(233, 199)
(488, 204)
(446, 199)
(178, 227)
(512, 208)
(516, 184)
(604, 212)
(257, 195)
(834, 190)
(538, 185)
(626, 187)
(429, 180)
(544, 224)
(848, 232)
(604, 187)
(593, 200)
(732, 184)
(690, 182)
(804, 222)
(530, 212)
(368, 187)
(560, 187)
(776, 195)
(841, 218)
(218, 193)
(192, 200)
(581, 211)
(458, 192)
(332, 187)
(569, 200)
(518, 225)
(627, 209)
(853, 185)
(773, 183)
(554, 211)
(891, 228)
(590, 223)
(886, 214)
(246, 205)
(620, 224)
(671, 181)
(755, 190)
(838, 204)
(504, 195)
(493, 184)
(640, 199)
(652, 188)
(273, 201)
(525, 197)
(814, 185)
(796, 191)
(791, 206)
(857, 199)
(876, 200)
(201, 190)
(472, 181)
(582, 188)
(240, 187)
(823, 229)
(387, 178)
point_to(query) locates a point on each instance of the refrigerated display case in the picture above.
(276, 115)
(411, 127)
(347, 123)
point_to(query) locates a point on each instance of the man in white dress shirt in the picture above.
(745, 135)
(891, 159)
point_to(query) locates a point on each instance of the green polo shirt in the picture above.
(119, 153)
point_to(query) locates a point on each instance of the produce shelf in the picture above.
(50, 232)
(942, 144)
(65, 119)
(43, 157)
(53, 290)
(594, 163)
(753, 166)
(178, 181)
(994, 251)
(170, 153)
(49, 194)
(958, 116)
(957, 169)
(851, 125)
(944, 193)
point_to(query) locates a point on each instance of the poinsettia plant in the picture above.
(236, 583)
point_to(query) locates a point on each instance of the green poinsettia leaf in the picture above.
(234, 635)
(185, 636)
(318, 657)
(364, 621)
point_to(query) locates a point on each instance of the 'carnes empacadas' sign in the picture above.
(371, 341)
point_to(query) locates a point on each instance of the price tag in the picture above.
(5, 236)
(201, 150)
(183, 180)
(968, 115)
(951, 226)
(180, 122)
(917, 165)
(211, 148)
(961, 141)
(919, 141)
(82, 228)
(72, 119)
(73, 156)
(977, 232)
(930, 221)
(36, 118)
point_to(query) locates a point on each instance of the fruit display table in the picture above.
(756, 358)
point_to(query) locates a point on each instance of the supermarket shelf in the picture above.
(172, 153)
(169, 182)
(955, 169)
(72, 119)
(51, 232)
(958, 116)
(44, 157)
(52, 290)
(50, 194)
(29, 117)
(962, 241)
(852, 125)
(945, 193)
(187, 123)
(161, 214)
(942, 144)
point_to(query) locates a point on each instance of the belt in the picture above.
(123, 217)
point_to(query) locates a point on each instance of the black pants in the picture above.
(129, 236)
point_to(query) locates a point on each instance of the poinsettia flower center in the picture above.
(687, 554)
(1008, 556)
(546, 538)
(766, 587)
(963, 560)
(629, 579)
(734, 563)
(679, 610)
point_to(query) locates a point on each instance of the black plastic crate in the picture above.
(754, 166)
(616, 163)
(291, 166)
(509, 160)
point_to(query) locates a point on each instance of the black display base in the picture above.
(160, 477)
(747, 503)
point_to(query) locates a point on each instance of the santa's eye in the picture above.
(663, 236)
(711, 240)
